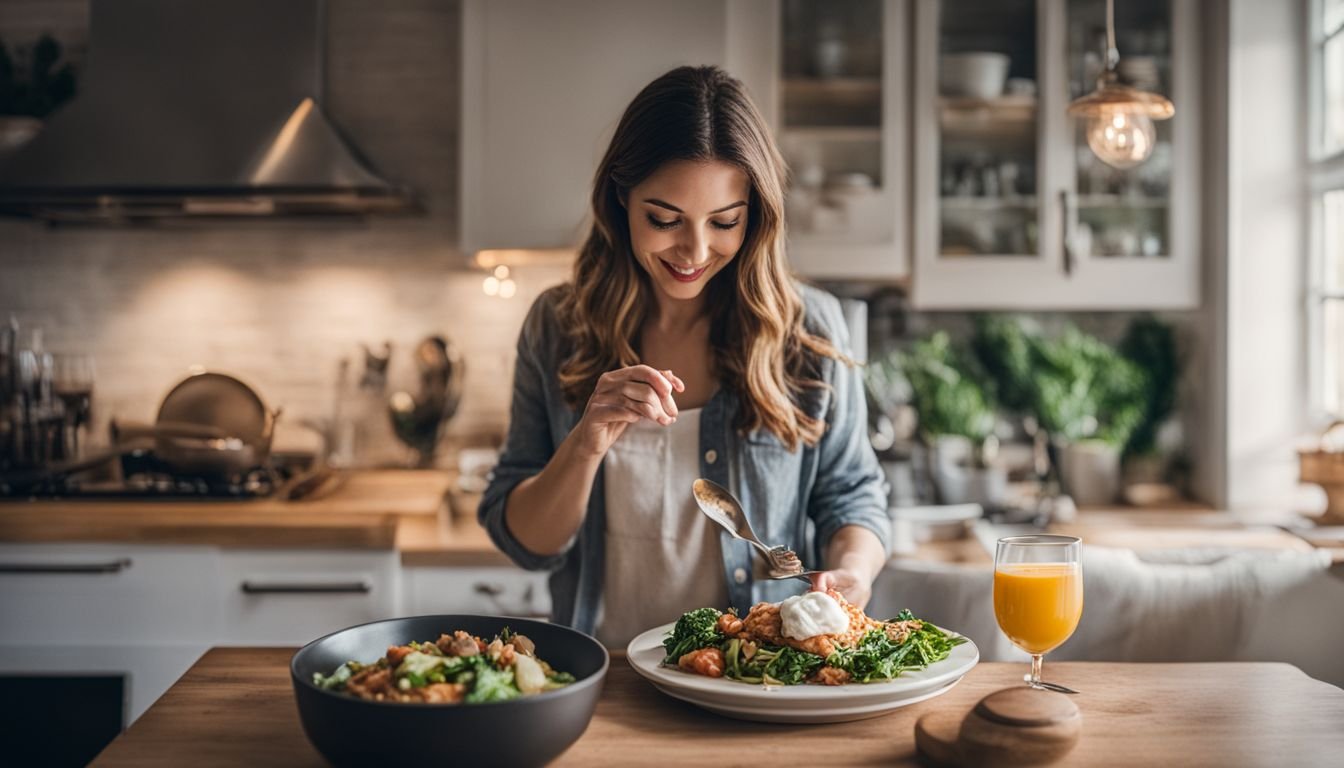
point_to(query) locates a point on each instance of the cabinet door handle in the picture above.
(1066, 229)
(306, 588)
(112, 566)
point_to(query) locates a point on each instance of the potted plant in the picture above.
(1150, 344)
(956, 421)
(34, 81)
(1091, 399)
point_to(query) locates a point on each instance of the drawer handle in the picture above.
(114, 566)
(306, 588)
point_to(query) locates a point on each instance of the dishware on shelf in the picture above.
(1020, 86)
(1038, 593)
(802, 704)
(350, 731)
(976, 75)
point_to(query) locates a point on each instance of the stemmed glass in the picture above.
(72, 382)
(1038, 594)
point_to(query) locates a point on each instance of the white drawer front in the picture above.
(106, 594)
(501, 591)
(292, 597)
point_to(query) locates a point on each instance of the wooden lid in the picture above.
(1024, 706)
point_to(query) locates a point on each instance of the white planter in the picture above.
(959, 481)
(1090, 472)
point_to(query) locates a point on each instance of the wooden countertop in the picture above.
(235, 707)
(1182, 526)
(364, 512)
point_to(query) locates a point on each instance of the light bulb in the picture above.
(1121, 138)
(491, 286)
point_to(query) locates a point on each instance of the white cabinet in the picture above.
(106, 594)
(835, 91)
(543, 86)
(286, 597)
(497, 590)
(1012, 210)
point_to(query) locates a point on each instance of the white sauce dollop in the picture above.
(812, 614)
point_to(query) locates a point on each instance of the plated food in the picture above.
(457, 668)
(818, 637)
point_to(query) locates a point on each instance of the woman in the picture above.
(682, 349)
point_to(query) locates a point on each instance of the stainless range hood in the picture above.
(202, 109)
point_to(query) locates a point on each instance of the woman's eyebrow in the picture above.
(671, 207)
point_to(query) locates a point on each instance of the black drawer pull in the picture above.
(114, 566)
(306, 588)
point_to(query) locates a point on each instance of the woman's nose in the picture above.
(697, 245)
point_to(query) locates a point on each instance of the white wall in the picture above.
(1264, 310)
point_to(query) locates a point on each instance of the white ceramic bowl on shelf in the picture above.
(977, 75)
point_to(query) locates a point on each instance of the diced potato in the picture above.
(528, 674)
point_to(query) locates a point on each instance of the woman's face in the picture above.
(687, 221)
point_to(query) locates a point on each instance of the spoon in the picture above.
(722, 507)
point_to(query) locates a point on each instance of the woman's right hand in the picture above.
(623, 397)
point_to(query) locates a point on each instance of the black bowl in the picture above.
(530, 730)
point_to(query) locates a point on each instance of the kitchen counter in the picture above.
(363, 512)
(236, 707)
(1179, 526)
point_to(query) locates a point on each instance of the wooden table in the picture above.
(236, 707)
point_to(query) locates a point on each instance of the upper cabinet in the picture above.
(1012, 209)
(543, 86)
(835, 93)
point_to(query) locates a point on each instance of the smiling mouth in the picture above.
(684, 274)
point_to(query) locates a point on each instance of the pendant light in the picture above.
(1119, 117)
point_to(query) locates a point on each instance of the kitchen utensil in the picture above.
(797, 703)
(722, 507)
(241, 424)
(418, 420)
(354, 732)
(976, 75)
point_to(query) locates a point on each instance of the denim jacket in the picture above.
(795, 498)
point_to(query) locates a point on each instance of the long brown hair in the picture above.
(761, 351)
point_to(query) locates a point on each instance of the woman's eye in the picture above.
(658, 223)
(727, 225)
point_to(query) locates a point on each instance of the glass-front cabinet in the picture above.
(1012, 209)
(836, 93)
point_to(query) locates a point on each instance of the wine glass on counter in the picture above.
(72, 382)
(1038, 595)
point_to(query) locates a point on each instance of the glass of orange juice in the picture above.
(1038, 593)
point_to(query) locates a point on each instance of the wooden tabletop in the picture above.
(235, 707)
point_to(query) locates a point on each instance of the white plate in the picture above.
(803, 715)
(803, 702)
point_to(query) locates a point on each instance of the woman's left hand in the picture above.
(853, 585)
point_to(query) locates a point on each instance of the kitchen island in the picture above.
(236, 707)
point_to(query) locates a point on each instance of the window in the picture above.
(1325, 291)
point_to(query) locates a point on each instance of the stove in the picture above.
(143, 476)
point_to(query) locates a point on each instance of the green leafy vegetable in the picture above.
(337, 679)
(694, 630)
(878, 657)
(491, 684)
